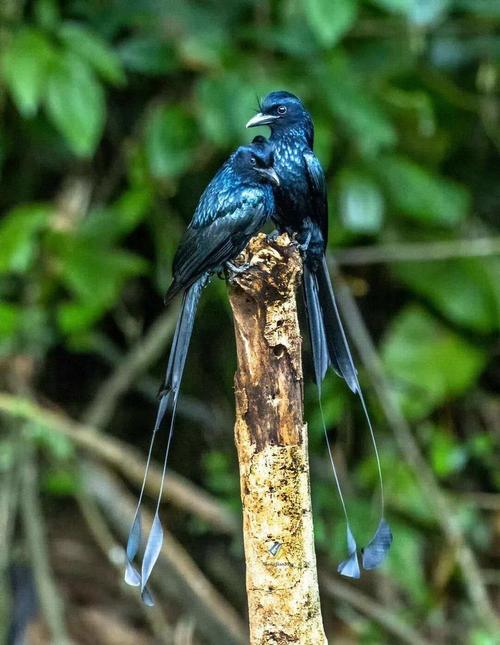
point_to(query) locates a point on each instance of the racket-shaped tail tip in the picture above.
(147, 597)
(152, 551)
(377, 549)
(132, 576)
(350, 566)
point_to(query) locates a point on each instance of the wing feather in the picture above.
(316, 178)
(207, 248)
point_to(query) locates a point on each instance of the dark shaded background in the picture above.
(114, 116)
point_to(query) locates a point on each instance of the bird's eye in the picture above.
(281, 109)
(253, 161)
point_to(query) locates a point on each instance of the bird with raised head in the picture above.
(302, 211)
(234, 206)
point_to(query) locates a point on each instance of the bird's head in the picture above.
(255, 161)
(281, 110)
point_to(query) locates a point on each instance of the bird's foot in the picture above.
(237, 268)
(273, 236)
(233, 270)
(302, 246)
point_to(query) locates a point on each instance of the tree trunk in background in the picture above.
(271, 438)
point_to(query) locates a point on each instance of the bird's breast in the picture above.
(293, 198)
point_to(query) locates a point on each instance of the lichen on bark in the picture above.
(271, 440)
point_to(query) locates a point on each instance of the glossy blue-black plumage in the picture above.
(301, 198)
(302, 210)
(234, 206)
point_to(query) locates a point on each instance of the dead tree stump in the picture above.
(271, 439)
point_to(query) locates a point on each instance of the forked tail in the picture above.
(330, 348)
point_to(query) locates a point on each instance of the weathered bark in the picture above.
(271, 439)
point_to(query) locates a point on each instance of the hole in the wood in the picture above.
(279, 322)
(279, 350)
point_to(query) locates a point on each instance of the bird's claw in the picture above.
(302, 246)
(237, 268)
(273, 236)
(233, 270)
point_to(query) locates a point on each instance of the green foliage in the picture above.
(147, 55)
(427, 362)
(361, 202)
(221, 102)
(75, 103)
(60, 481)
(170, 139)
(55, 64)
(330, 20)
(26, 64)
(422, 195)
(57, 445)
(134, 105)
(465, 291)
(360, 114)
(17, 236)
(94, 50)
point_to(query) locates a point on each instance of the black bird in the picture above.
(233, 207)
(302, 211)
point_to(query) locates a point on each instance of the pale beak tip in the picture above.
(275, 178)
(257, 119)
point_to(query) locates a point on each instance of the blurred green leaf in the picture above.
(56, 444)
(467, 291)
(97, 274)
(18, 236)
(25, 66)
(93, 49)
(334, 402)
(60, 481)
(403, 491)
(147, 55)
(330, 20)
(486, 8)
(9, 319)
(450, 52)
(222, 103)
(47, 13)
(420, 194)
(481, 445)
(481, 636)
(426, 362)
(221, 476)
(405, 563)
(361, 203)
(78, 317)
(447, 454)
(75, 103)
(359, 114)
(170, 139)
(108, 225)
(202, 51)
(419, 12)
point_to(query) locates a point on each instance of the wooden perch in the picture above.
(271, 439)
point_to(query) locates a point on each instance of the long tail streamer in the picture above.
(169, 395)
(330, 348)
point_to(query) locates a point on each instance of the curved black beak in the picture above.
(261, 119)
(271, 175)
